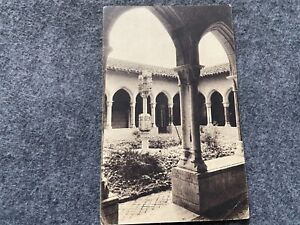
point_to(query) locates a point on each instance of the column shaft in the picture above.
(109, 114)
(226, 114)
(237, 113)
(144, 105)
(199, 165)
(209, 117)
(153, 114)
(170, 108)
(132, 114)
(185, 117)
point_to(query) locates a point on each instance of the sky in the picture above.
(138, 36)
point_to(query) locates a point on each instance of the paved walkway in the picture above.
(158, 208)
(153, 208)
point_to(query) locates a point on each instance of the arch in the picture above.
(139, 107)
(176, 110)
(217, 109)
(208, 97)
(121, 109)
(202, 109)
(129, 92)
(162, 113)
(167, 15)
(108, 95)
(166, 94)
(226, 38)
(226, 96)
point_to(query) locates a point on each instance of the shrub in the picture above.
(212, 148)
(132, 164)
(163, 142)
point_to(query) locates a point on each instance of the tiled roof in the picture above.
(131, 67)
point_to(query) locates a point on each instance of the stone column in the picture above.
(153, 105)
(189, 79)
(237, 114)
(209, 116)
(199, 164)
(132, 114)
(226, 114)
(185, 118)
(170, 109)
(109, 114)
(144, 104)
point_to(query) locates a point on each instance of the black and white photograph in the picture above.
(172, 147)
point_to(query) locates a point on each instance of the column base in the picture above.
(239, 148)
(110, 211)
(170, 128)
(191, 165)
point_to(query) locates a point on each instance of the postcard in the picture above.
(172, 146)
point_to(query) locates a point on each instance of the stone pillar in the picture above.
(170, 110)
(132, 114)
(209, 116)
(199, 165)
(189, 79)
(237, 114)
(144, 105)
(226, 114)
(153, 105)
(109, 114)
(185, 119)
(170, 114)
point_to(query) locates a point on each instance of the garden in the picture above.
(132, 173)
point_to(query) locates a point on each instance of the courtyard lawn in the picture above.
(132, 173)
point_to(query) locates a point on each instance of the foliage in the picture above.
(211, 147)
(131, 164)
(163, 142)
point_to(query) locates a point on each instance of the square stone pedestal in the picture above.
(110, 210)
(199, 192)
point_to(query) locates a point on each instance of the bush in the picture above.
(132, 165)
(163, 142)
(211, 146)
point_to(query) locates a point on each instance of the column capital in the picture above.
(132, 104)
(233, 77)
(109, 102)
(170, 105)
(208, 104)
(188, 73)
(225, 104)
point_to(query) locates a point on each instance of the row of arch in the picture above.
(165, 111)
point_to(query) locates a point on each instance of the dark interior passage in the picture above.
(121, 109)
(202, 109)
(232, 119)
(161, 113)
(217, 109)
(176, 110)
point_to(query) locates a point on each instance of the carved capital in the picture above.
(188, 74)
(208, 105)
(109, 103)
(225, 104)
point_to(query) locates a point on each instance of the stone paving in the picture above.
(131, 209)
(154, 208)
(158, 208)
